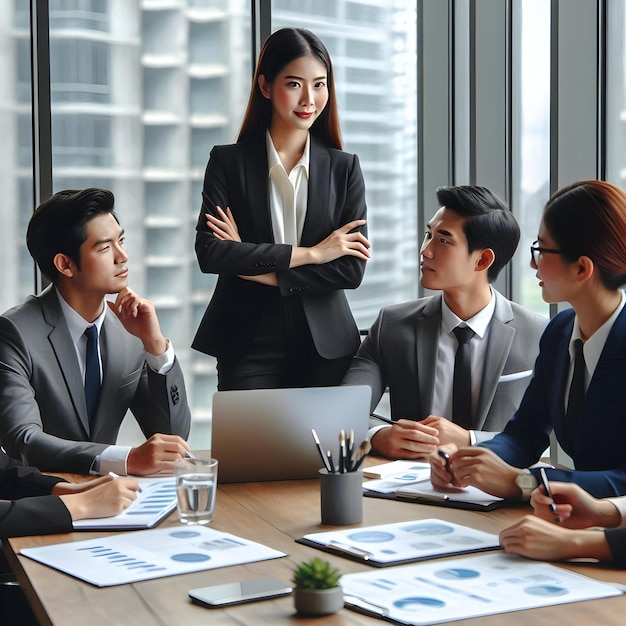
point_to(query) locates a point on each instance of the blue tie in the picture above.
(92, 372)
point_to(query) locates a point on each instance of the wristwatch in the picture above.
(526, 482)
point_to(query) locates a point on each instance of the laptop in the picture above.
(265, 434)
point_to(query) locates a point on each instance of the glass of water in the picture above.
(196, 484)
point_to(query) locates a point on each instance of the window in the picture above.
(531, 139)
(616, 94)
(373, 48)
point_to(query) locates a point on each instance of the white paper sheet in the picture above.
(146, 554)
(443, 591)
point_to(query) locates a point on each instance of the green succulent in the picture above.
(316, 574)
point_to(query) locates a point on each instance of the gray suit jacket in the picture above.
(400, 352)
(43, 414)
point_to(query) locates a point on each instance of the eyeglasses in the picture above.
(536, 250)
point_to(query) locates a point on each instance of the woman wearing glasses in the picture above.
(578, 388)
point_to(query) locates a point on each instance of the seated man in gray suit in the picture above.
(64, 392)
(412, 347)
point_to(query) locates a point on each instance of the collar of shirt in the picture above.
(592, 348)
(273, 160)
(75, 322)
(479, 323)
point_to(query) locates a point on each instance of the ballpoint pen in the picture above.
(546, 487)
(387, 420)
(444, 455)
(116, 476)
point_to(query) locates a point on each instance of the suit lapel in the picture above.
(608, 372)
(318, 203)
(63, 347)
(427, 331)
(501, 337)
(257, 189)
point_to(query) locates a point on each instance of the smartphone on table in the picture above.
(241, 591)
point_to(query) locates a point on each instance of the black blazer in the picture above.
(237, 177)
(26, 508)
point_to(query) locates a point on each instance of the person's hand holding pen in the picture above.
(574, 507)
(441, 469)
(406, 439)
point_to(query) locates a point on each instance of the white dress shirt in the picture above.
(446, 352)
(288, 194)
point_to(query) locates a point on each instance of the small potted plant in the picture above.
(317, 590)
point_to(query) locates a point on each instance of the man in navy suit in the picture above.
(45, 419)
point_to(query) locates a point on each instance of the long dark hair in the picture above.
(279, 49)
(588, 218)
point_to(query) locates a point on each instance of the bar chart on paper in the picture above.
(130, 557)
(156, 501)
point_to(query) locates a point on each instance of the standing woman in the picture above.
(283, 225)
(578, 387)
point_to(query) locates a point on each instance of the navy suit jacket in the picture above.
(598, 440)
(26, 508)
(237, 177)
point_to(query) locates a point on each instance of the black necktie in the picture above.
(576, 395)
(462, 383)
(92, 372)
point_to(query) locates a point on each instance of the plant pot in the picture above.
(318, 601)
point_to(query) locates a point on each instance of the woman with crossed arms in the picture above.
(282, 224)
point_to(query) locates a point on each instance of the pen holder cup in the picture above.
(341, 497)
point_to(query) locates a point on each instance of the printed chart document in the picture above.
(443, 591)
(413, 485)
(146, 554)
(408, 471)
(155, 502)
(404, 542)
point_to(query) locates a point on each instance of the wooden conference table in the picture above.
(273, 513)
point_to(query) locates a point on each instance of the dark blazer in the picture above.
(237, 177)
(597, 443)
(26, 506)
(616, 538)
(400, 352)
(43, 414)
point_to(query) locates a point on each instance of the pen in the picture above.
(327, 465)
(444, 455)
(387, 420)
(116, 476)
(546, 486)
(189, 455)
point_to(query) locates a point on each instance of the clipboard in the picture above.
(421, 491)
(470, 587)
(400, 543)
